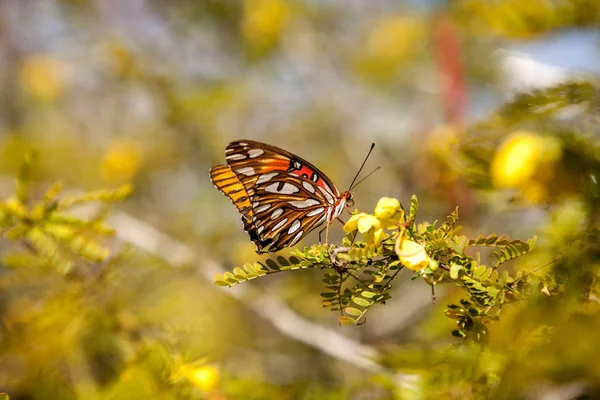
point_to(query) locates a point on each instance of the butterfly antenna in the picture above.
(363, 164)
(363, 179)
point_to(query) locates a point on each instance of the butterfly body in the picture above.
(280, 196)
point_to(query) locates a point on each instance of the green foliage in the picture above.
(359, 275)
(114, 108)
(566, 114)
(45, 227)
(508, 249)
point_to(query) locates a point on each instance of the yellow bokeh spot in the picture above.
(523, 157)
(393, 39)
(205, 378)
(43, 77)
(534, 192)
(264, 20)
(121, 161)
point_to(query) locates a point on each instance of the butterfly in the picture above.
(280, 196)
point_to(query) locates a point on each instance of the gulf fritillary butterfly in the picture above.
(280, 196)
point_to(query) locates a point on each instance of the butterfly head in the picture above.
(348, 198)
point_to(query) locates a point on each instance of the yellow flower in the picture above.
(204, 378)
(388, 211)
(122, 161)
(412, 254)
(368, 225)
(352, 223)
(43, 77)
(522, 157)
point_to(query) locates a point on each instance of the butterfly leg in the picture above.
(320, 232)
(327, 234)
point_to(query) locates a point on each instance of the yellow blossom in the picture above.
(43, 77)
(388, 211)
(523, 156)
(412, 255)
(373, 236)
(368, 225)
(204, 378)
(352, 223)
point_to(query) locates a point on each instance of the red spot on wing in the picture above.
(307, 173)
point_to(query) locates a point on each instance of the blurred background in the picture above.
(150, 92)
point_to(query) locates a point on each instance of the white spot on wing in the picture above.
(308, 186)
(304, 203)
(245, 171)
(296, 238)
(260, 229)
(255, 153)
(243, 144)
(236, 157)
(279, 224)
(262, 208)
(229, 150)
(328, 196)
(276, 213)
(295, 226)
(315, 211)
(266, 177)
(287, 188)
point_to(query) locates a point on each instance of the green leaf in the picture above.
(362, 302)
(346, 321)
(239, 273)
(282, 261)
(414, 207)
(353, 311)
(272, 265)
(228, 277)
(328, 295)
(250, 268)
(454, 270)
(294, 260)
(219, 280)
(491, 239)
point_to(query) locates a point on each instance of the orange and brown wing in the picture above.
(281, 196)
(227, 182)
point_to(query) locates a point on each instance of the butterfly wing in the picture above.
(285, 210)
(284, 197)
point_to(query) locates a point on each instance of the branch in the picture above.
(336, 345)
